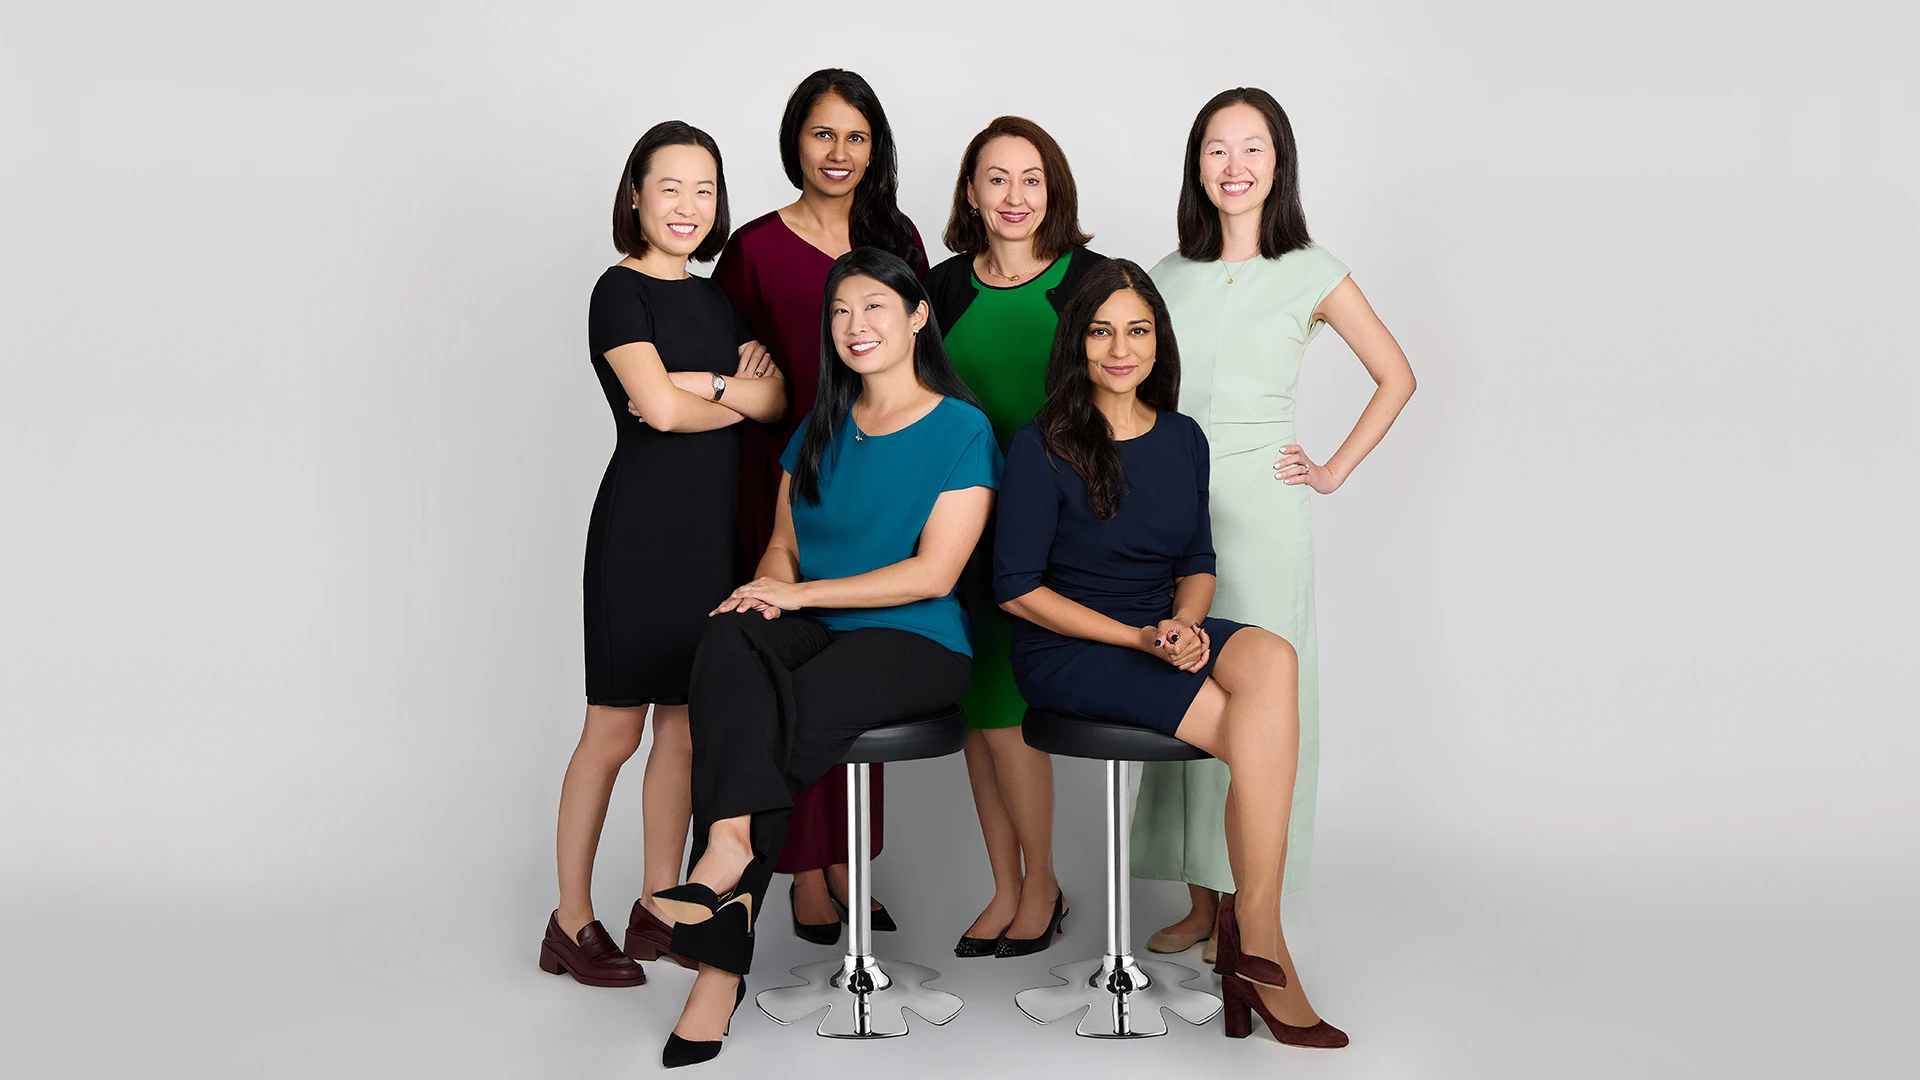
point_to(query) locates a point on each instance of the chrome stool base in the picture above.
(1123, 997)
(878, 1011)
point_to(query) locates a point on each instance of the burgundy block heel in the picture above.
(1243, 1000)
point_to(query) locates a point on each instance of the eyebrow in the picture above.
(677, 180)
(830, 127)
(1003, 168)
(1130, 322)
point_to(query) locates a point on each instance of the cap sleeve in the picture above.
(618, 314)
(1028, 515)
(979, 462)
(1198, 556)
(1325, 273)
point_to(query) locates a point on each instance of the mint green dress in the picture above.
(1000, 346)
(1240, 352)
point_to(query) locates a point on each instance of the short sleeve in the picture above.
(979, 462)
(618, 314)
(1198, 556)
(1325, 273)
(1028, 516)
(791, 455)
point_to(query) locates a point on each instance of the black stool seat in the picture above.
(1083, 737)
(936, 734)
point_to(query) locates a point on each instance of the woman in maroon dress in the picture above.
(839, 152)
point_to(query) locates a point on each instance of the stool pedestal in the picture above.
(864, 998)
(1123, 997)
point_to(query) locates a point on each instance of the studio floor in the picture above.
(1479, 972)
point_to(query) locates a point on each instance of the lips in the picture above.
(838, 176)
(1015, 217)
(862, 348)
(1119, 372)
(1236, 187)
(683, 231)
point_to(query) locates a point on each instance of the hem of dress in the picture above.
(635, 703)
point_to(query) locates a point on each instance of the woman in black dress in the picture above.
(679, 372)
(1104, 553)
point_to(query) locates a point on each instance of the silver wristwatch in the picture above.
(719, 386)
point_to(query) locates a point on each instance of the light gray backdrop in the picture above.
(300, 438)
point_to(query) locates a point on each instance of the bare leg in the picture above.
(1198, 919)
(608, 739)
(1003, 842)
(666, 801)
(837, 878)
(810, 901)
(1026, 788)
(1248, 715)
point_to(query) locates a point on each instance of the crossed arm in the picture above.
(682, 400)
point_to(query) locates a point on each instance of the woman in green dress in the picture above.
(1015, 228)
(1248, 291)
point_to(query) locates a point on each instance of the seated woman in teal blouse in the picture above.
(887, 487)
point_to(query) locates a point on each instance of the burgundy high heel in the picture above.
(1243, 1000)
(1231, 961)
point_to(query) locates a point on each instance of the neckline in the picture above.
(669, 280)
(1151, 428)
(795, 233)
(1044, 271)
(863, 436)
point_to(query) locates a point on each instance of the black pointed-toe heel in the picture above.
(679, 1051)
(879, 922)
(1010, 946)
(818, 933)
(689, 903)
(970, 947)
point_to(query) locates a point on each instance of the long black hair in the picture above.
(875, 219)
(1070, 427)
(1283, 221)
(839, 384)
(628, 239)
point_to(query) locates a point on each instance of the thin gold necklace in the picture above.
(1235, 268)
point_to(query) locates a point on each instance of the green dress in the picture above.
(1000, 346)
(1240, 352)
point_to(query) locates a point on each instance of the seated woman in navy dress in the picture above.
(851, 621)
(1104, 554)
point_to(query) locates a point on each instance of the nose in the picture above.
(837, 150)
(1122, 347)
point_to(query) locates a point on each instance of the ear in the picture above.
(918, 318)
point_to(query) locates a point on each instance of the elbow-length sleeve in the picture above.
(1029, 514)
(1198, 556)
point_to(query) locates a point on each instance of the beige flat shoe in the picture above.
(1163, 942)
(1211, 954)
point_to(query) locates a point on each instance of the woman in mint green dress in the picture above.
(1247, 292)
(1016, 230)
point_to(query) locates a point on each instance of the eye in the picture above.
(873, 305)
(1033, 181)
(1098, 331)
(996, 180)
(856, 138)
(1138, 331)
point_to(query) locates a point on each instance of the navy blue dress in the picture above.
(1123, 568)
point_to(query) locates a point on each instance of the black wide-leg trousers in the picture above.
(773, 704)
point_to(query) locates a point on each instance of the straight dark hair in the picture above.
(1283, 222)
(875, 220)
(1060, 230)
(840, 384)
(628, 239)
(1071, 428)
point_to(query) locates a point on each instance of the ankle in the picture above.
(572, 920)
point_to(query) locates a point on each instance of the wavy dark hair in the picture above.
(840, 384)
(1060, 230)
(1070, 427)
(628, 239)
(875, 220)
(1283, 222)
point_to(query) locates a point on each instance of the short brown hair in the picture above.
(627, 237)
(1060, 230)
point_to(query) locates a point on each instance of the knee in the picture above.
(672, 734)
(611, 736)
(1273, 657)
(724, 640)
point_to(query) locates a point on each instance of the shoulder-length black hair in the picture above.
(1283, 222)
(875, 220)
(839, 384)
(1070, 427)
(627, 237)
(1060, 230)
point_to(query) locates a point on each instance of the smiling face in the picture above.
(835, 146)
(1009, 187)
(678, 199)
(1121, 343)
(1236, 160)
(872, 328)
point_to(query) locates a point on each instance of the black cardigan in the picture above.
(951, 290)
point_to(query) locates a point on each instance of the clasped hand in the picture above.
(1184, 645)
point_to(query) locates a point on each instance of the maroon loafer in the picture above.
(650, 939)
(593, 960)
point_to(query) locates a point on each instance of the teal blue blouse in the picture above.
(876, 492)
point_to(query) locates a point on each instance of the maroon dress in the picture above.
(777, 283)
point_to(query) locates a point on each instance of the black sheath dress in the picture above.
(660, 545)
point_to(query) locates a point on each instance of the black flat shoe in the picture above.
(679, 1051)
(1024, 946)
(879, 923)
(818, 933)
